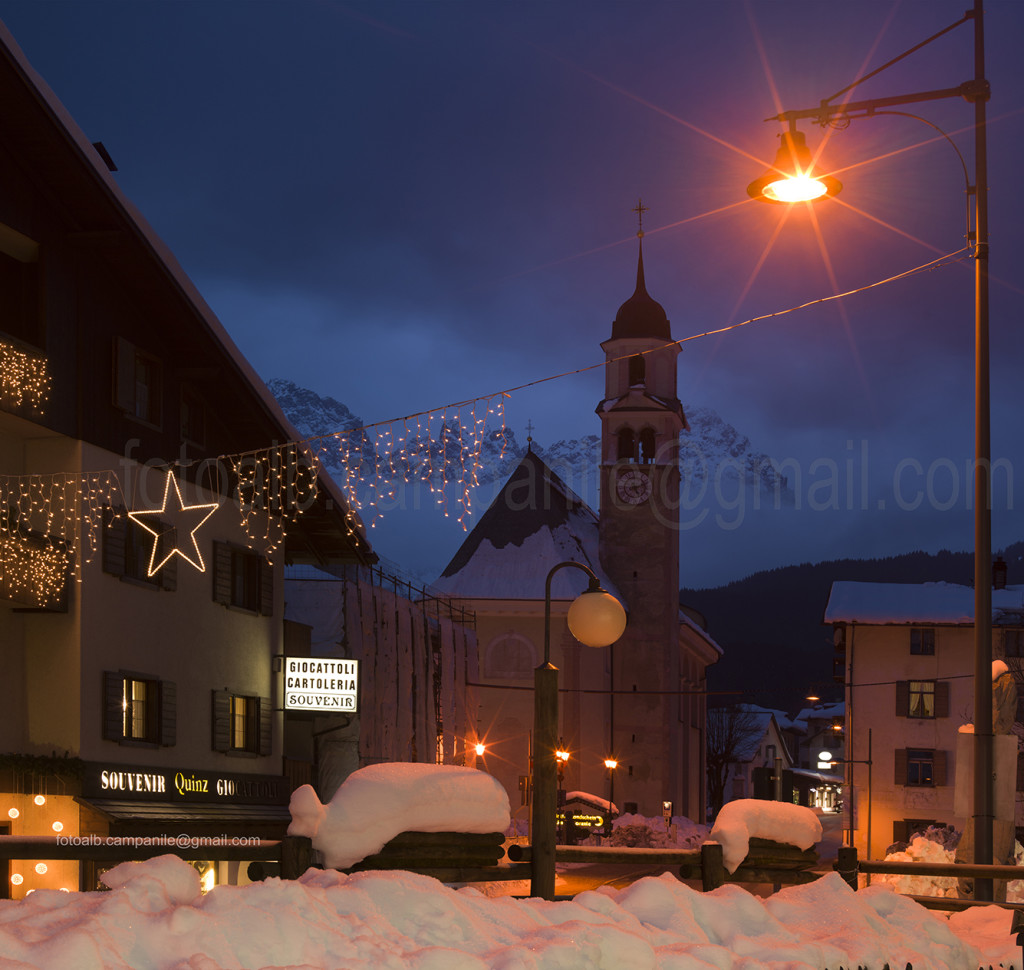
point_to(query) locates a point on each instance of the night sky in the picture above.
(405, 204)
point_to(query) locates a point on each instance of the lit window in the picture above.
(922, 698)
(139, 709)
(244, 715)
(241, 723)
(920, 767)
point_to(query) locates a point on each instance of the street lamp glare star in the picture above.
(193, 513)
(794, 176)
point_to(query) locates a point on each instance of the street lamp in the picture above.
(596, 619)
(611, 764)
(794, 160)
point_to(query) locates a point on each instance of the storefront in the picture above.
(143, 805)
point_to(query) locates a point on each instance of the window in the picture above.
(127, 549)
(922, 698)
(637, 369)
(626, 445)
(510, 657)
(1013, 643)
(242, 579)
(139, 709)
(922, 641)
(193, 417)
(138, 384)
(19, 282)
(242, 723)
(920, 767)
(647, 446)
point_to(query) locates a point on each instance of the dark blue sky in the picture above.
(403, 204)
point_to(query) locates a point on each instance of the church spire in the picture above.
(640, 315)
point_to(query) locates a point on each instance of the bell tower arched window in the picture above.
(637, 370)
(647, 446)
(627, 445)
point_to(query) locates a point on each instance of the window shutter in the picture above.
(901, 766)
(942, 698)
(901, 830)
(902, 702)
(124, 375)
(222, 574)
(939, 768)
(221, 720)
(115, 534)
(168, 713)
(266, 726)
(266, 588)
(113, 711)
(169, 575)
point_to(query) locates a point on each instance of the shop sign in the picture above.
(103, 780)
(321, 684)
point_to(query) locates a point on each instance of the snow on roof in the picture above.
(376, 803)
(895, 603)
(534, 523)
(744, 819)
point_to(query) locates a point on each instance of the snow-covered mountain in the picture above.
(713, 454)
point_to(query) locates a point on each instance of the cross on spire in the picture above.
(640, 209)
(529, 435)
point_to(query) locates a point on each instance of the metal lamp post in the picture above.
(611, 764)
(596, 619)
(792, 179)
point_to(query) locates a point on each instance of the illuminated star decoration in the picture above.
(197, 513)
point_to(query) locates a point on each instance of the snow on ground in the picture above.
(376, 803)
(156, 919)
(744, 819)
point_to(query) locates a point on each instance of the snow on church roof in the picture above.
(535, 522)
(895, 603)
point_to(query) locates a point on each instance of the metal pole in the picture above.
(545, 720)
(984, 794)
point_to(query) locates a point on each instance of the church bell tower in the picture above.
(641, 419)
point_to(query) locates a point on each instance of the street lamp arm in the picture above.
(595, 586)
(974, 90)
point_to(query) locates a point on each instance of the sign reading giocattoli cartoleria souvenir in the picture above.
(321, 684)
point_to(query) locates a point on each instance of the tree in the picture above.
(730, 734)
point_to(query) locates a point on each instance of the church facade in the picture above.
(641, 703)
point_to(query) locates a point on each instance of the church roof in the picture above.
(535, 522)
(641, 315)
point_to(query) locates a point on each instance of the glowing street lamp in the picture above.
(596, 619)
(611, 764)
(794, 160)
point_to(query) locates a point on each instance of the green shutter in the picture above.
(939, 761)
(942, 698)
(221, 573)
(115, 534)
(113, 700)
(903, 702)
(900, 775)
(266, 726)
(266, 587)
(221, 720)
(168, 713)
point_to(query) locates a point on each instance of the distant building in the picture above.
(640, 702)
(148, 511)
(906, 652)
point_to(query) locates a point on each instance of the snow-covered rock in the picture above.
(744, 819)
(378, 802)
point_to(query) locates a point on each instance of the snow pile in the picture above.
(744, 819)
(924, 849)
(401, 921)
(376, 803)
(921, 849)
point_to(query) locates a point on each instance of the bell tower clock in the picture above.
(641, 419)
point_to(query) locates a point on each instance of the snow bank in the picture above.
(744, 819)
(402, 921)
(375, 804)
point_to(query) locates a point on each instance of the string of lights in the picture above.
(53, 522)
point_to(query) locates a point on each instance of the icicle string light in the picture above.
(24, 378)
